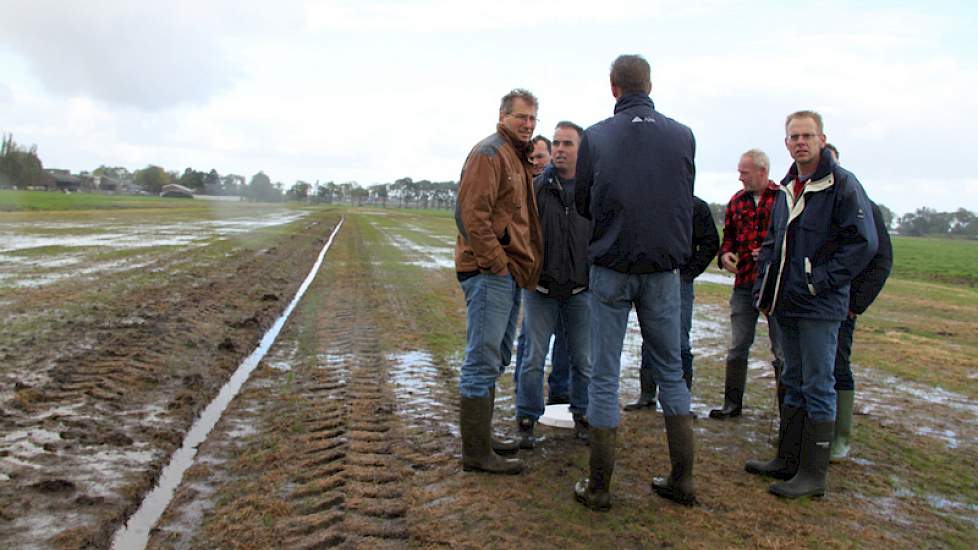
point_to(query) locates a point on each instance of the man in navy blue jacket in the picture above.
(822, 235)
(635, 175)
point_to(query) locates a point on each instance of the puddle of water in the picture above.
(433, 257)
(135, 532)
(416, 379)
(949, 437)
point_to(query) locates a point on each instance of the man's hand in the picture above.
(729, 262)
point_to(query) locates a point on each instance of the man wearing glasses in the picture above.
(822, 235)
(497, 253)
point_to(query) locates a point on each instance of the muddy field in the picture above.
(346, 434)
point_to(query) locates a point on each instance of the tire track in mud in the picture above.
(334, 475)
(81, 443)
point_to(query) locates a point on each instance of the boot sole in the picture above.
(784, 476)
(679, 498)
(816, 494)
(587, 504)
(719, 415)
(470, 468)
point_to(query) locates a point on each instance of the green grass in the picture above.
(12, 201)
(952, 261)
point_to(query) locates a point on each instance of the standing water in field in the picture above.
(135, 533)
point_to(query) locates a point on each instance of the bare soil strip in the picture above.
(106, 399)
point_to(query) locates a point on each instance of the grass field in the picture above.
(13, 201)
(936, 259)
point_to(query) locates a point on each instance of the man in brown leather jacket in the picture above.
(498, 252)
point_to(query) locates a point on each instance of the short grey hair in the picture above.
(759, 158)
(506, 104)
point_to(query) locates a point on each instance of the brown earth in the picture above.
(346, 434)
(110, 377)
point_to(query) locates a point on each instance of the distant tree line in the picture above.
(20, 167)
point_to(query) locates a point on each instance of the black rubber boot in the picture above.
(785, 465)
(813, 466)
(524, 426)
(646, 399)
(477, 453)
(733, 392)
(678, 487)
(501, 445)
(595, 491)
(581, 428)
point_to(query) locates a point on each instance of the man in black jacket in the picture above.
(635, 175)
(706, 242)
(562, 291)
(865, 288)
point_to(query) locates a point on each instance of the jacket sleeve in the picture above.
(869, 283)
(477, 192)
(729, 233)
(585, 179)
(770, 247)
(706, 241)
(855, 238)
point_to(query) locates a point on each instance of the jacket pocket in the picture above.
(809, 277)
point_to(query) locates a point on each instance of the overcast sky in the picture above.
(371, 91)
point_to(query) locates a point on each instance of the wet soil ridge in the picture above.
(135, 533)
(323, 467)
(104, 389)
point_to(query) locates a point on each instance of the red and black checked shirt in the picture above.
(744, 228)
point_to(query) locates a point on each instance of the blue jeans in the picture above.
(492, 304)
(687, 295)
(541, 314)
(843, 367)
(743, 321)
(657, 303)
(809, 358)
(559, 376)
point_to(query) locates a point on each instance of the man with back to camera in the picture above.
(822, 235)
(706, 242)
(865, 288)
(745, 225)
(497, 252)
(562, 291)
(635, 175)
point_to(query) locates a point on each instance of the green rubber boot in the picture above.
(595, 491)
(843, 424)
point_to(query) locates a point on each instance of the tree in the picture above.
(192, 179)
(261, 189)
(19, 166)
(887, 215)
(299, 190)
(152, 178)
(118, 173)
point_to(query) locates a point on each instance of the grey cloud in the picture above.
(135, 54)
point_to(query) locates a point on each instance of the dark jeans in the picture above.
(558, 380)
(809, 359)
(843, 368)
(743, 321)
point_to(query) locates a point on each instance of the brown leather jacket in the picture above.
(496, 212)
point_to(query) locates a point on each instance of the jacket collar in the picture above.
(629, 101)
(824, 168)
(523, 150)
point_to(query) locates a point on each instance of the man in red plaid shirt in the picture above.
(745, 226)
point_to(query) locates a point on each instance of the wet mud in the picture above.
(346, 435)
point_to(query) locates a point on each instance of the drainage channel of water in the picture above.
(135, 533)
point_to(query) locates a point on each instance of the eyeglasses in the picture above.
(801, 137)
(525, 118)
